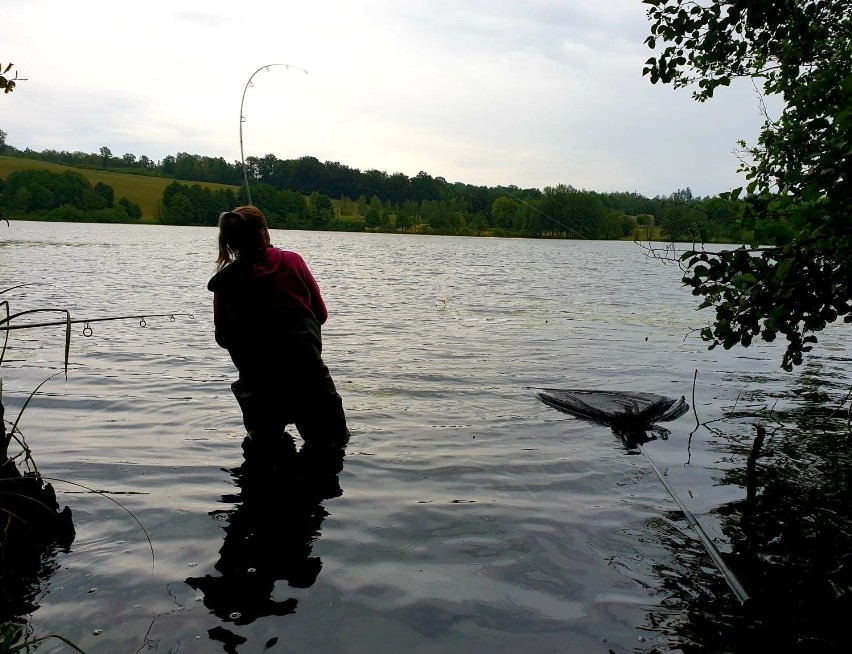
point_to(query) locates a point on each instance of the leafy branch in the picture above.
(6, 83)
(791, 276)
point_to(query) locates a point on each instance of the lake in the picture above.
(469, 517)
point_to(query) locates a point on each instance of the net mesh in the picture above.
(615, 408)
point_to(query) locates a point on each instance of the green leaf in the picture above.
(783, 269)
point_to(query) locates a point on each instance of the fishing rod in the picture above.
(87, 330)
(289, 66)
(243, 119)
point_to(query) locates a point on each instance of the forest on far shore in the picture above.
(305, 193)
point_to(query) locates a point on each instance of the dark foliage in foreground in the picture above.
(793, 276)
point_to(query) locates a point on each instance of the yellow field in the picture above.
(144, 191)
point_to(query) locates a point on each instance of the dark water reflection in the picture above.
(269, 536)
(22, 584)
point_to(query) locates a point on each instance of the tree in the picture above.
(347, 206)
(406, 216)
(426, 187)
(398, 187)
(373, 218)
(616, 225)
(577, 213)
(106, 191)
(106, 155)
(41, 197)
(92, 200)
(133, 210)
(187, 166)
(374, 213)
(646, 222)
(194, 204)
(477, 222)
(322, 210)
(794, 276)
(680, 219)
(405, 221)
(168, 165)
(503, 210)
(3, 136)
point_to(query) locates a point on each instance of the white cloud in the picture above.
(484, 92)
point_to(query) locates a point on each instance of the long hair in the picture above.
(242, 231)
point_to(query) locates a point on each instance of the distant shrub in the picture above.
(63, 197)
(133, 210)
(68, 214)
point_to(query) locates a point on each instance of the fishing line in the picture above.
(534, 208)
(243, 119)
(709, 546)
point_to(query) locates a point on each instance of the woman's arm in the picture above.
(220, 338)
(317, 303)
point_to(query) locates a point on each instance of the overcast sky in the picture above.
(488, 92)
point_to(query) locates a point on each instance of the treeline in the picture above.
(305, 175)
(67, 197)
(561, 211)
(193, 204)
(297, 193)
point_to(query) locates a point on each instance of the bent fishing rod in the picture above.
(243, 119)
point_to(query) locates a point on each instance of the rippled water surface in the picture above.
(472, 517)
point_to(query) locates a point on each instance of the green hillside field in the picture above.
(143, 190)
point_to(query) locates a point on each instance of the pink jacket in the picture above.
(255, 294)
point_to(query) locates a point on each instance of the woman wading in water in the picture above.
(267, 312)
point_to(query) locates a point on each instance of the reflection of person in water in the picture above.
(268, 537)
(267, 312)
